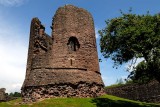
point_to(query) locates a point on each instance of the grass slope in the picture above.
(103, 101)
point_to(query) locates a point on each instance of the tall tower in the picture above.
(65, 64)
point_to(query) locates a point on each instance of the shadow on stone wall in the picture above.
(145, 92)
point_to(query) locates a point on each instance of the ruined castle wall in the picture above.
(58, 57)
(2, 95)
(142, 92)
(30, 48)
(40, 60)
(45, 76)
(32, 94)
(66, 64)
(37, 56)
(70, 21)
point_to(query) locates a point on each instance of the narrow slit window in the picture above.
(71, 62)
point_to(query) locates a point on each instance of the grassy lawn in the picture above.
(103, 101)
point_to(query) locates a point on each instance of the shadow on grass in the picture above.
(104, 102)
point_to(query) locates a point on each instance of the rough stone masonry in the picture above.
(64, 64)
(3, 96)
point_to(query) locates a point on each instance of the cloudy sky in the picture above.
(15, 17)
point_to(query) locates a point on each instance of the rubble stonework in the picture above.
(149, 92)
(62, 90)
(64, 64)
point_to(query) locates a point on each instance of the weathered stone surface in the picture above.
(67, 60)
(2, 95)
(145, 92)
(81, 89)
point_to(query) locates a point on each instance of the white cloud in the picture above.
(13, 56)
(108, 80)
(124, 77)
(130, 66)
(12, 2)
(96, 32)
(104, 78)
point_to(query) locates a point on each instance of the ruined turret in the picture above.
(3, 96)
(64, 64)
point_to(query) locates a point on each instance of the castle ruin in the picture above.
(64, 64)
(3, 96)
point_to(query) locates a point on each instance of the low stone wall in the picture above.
(35, 93)
(146, 92)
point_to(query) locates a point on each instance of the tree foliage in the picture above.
(132, 36)
(15, 94)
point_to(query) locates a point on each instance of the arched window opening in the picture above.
(73, 44)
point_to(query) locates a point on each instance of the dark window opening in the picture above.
(73, 44)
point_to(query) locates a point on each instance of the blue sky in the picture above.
(15, 17)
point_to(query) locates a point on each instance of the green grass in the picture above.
(103, 101)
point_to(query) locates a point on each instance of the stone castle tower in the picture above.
(65, 64)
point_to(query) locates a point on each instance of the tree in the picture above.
(141, 73)
(132, 36)
(15, 94)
